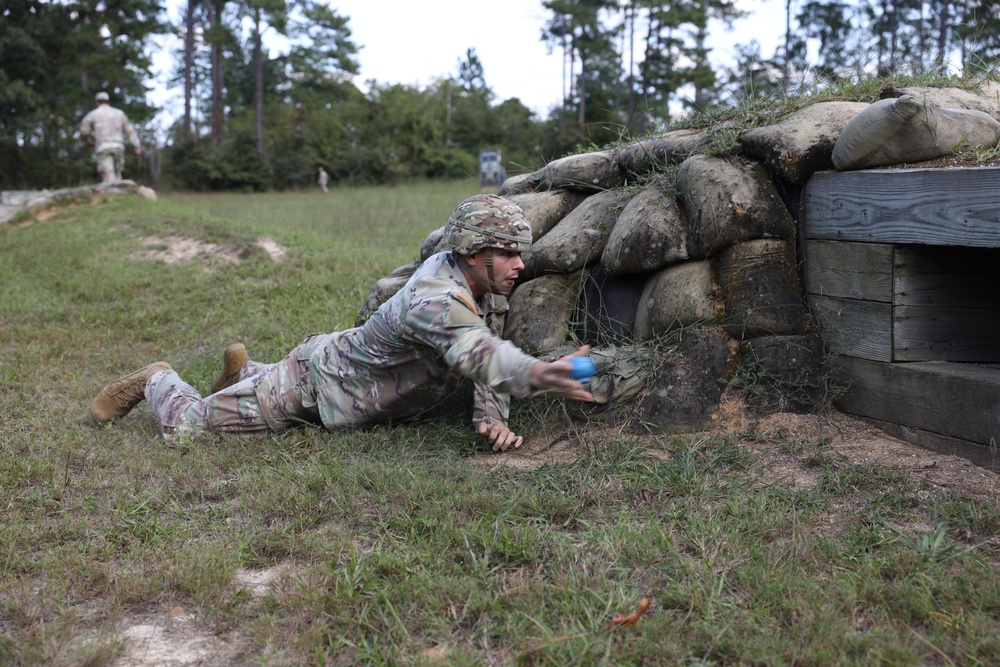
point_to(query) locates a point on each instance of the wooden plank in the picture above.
(939, 275)
(928, 206)
(855, 328)
(959, 401)
(945, 333)
(849, 270)
(980, 455)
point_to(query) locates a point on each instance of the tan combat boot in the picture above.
(118, 398)
(234, 358)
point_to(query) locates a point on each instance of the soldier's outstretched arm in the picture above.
(548, 377)
(553, 377)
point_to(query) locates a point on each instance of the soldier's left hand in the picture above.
(501, 437)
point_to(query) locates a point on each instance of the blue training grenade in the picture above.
(583, 368)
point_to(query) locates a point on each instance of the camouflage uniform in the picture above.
(106, 128)
(411, 354)
(323, 179)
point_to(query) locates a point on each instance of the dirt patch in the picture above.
(177, 249)
(46, 213)
(786, 445)
(174, 640)
(259, 582)
(275, 250)
(536, 452)
(178, 637)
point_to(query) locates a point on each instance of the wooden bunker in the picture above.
(900, 267)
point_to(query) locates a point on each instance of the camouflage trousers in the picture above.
(269, 398)
(110, 163)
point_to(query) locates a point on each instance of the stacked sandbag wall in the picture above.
(678, 266)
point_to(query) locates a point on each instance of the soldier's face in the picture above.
(507, 265)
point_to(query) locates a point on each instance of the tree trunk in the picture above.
(218, 79)
(631, 66)
(787, 63)
(258, 86)
(942, 37)
(700, 93)
(447, 117)
(188, 65)
(566, 85)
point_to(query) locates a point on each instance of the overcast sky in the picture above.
(415, 42)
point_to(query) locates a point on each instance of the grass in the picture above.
(397, 545)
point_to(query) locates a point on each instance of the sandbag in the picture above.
(651, 233)
(688, 385)
(679, 296)
(671, 148)
(545, 209)
(622, 373)
(520, 184)
(433, 244)
(540, 311)
(380, 292)
(728, 200)
(801, 144)
(587, 172)
(946, 98)
(903, 130)
(577, 240)
(760, 289)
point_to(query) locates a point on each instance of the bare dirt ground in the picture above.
(842, 436)
(175, 249)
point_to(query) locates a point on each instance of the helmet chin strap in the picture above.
(489, 282)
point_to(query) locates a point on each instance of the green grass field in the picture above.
(400, 545)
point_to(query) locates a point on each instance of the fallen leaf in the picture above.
(630, 619)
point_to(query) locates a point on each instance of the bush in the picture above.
(235, 165)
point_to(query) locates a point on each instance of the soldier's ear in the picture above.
(475, 258)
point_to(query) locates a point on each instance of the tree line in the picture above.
(255, 119)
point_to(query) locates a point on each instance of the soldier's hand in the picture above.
(554, 377)
(138, 151)
(501, 437)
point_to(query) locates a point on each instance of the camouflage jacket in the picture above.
(415, 349)
(106, 127)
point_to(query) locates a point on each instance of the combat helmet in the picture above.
(487, 221)
(102, 96)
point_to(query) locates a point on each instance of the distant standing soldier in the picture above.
(323, 179)
(105, 129)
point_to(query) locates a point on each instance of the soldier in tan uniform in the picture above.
(443, 325)
(105, 129)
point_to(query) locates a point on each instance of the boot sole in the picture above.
(234, 357)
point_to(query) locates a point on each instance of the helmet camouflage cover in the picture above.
(487, 221)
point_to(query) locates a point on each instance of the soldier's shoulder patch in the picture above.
(466, 299)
